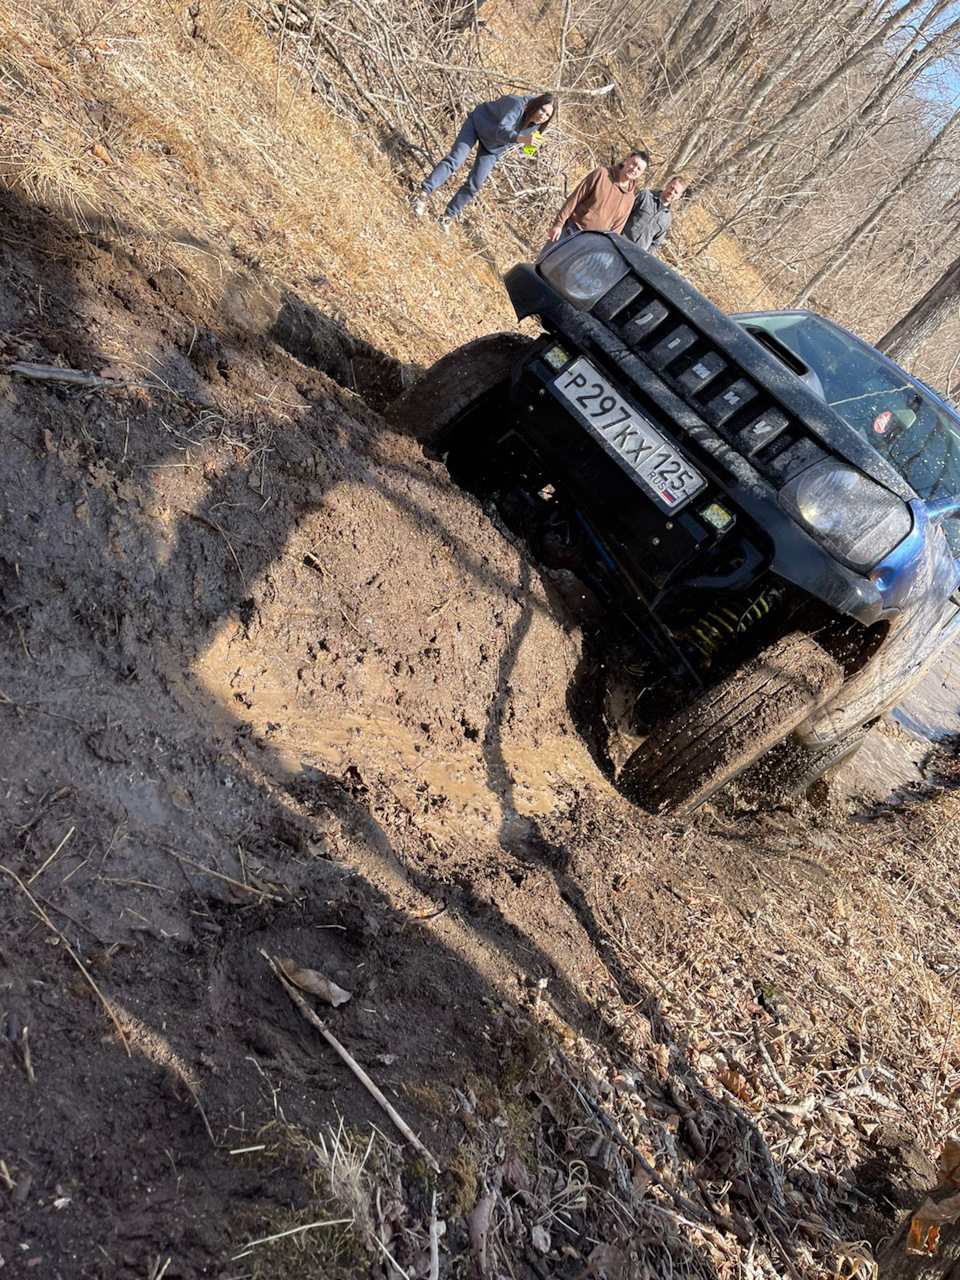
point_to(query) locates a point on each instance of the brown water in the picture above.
(896, 752)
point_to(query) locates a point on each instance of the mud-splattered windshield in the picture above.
(904, 424)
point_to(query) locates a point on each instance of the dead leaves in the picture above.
(854, 1261)
(923, 1238)
(737, 1085)
(478, 1229)
(314, 983)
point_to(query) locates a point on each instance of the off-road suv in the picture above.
(764, 504)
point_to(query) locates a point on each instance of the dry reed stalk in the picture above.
(42, 915)
(307, 1012)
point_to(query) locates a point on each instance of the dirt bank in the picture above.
(272, 684)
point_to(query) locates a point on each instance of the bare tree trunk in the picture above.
(781, 128)
(705, 126)
(922, 321)
(685, 60)
(907, 179)
(911, 62)
(687, 20)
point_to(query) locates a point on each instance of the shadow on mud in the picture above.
(104, 615)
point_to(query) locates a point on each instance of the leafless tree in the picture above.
(781, 125)
(925, 318)
(780, 112)
(908, 178)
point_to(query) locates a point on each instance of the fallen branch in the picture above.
(354, 1066)
(52, 373)
(218, 875)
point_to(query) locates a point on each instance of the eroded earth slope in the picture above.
(271, 684)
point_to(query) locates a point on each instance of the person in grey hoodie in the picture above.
(650, 220)
(491, 128)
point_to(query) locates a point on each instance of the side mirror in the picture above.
(943, 509)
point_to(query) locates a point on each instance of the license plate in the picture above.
(627, 436)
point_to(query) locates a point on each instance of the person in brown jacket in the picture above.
(604, 199)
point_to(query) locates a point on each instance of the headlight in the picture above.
(854, 518)
(583, 268)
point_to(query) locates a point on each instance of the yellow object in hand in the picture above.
(531, 148)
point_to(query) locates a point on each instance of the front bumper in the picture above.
(551, 428)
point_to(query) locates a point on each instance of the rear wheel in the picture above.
(730, 725)
(466, 389)
(793, 768)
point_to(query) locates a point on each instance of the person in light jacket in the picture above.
(491, 128)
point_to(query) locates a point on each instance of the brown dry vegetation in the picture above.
(259, 170)
(96, 126)
(246, 628)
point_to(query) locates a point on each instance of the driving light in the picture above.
(583, 268)
(857, 520)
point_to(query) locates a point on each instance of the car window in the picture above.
(886, 407)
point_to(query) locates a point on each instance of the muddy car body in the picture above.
(763, 504)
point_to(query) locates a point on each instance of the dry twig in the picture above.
(218, 875)
(43, 866)
(73, 955)
(354, 1066)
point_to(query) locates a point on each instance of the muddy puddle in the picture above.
(481, 787)
(896, 753)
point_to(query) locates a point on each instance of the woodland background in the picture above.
(825, 136)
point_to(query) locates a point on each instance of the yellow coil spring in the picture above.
(715, 627)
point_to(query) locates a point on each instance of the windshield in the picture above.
(883, 404)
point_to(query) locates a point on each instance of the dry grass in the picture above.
(334, 1233)
(257, 172)
(799, 1009)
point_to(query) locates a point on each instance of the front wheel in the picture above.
(466, 389)
(730, 725)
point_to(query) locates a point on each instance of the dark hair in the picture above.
(534, 105)
(644, 155)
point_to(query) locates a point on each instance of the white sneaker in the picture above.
(419, 205)
(445, 223)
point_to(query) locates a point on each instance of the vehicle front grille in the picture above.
(710, 382)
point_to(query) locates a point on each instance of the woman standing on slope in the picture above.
(491, 128)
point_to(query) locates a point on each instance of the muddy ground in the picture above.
(272, 684)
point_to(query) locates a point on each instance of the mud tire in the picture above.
(730, 725)
(795, 768)
(460, 385)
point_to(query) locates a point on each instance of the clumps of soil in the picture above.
(272, 683)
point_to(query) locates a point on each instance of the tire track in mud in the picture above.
(244, 621)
